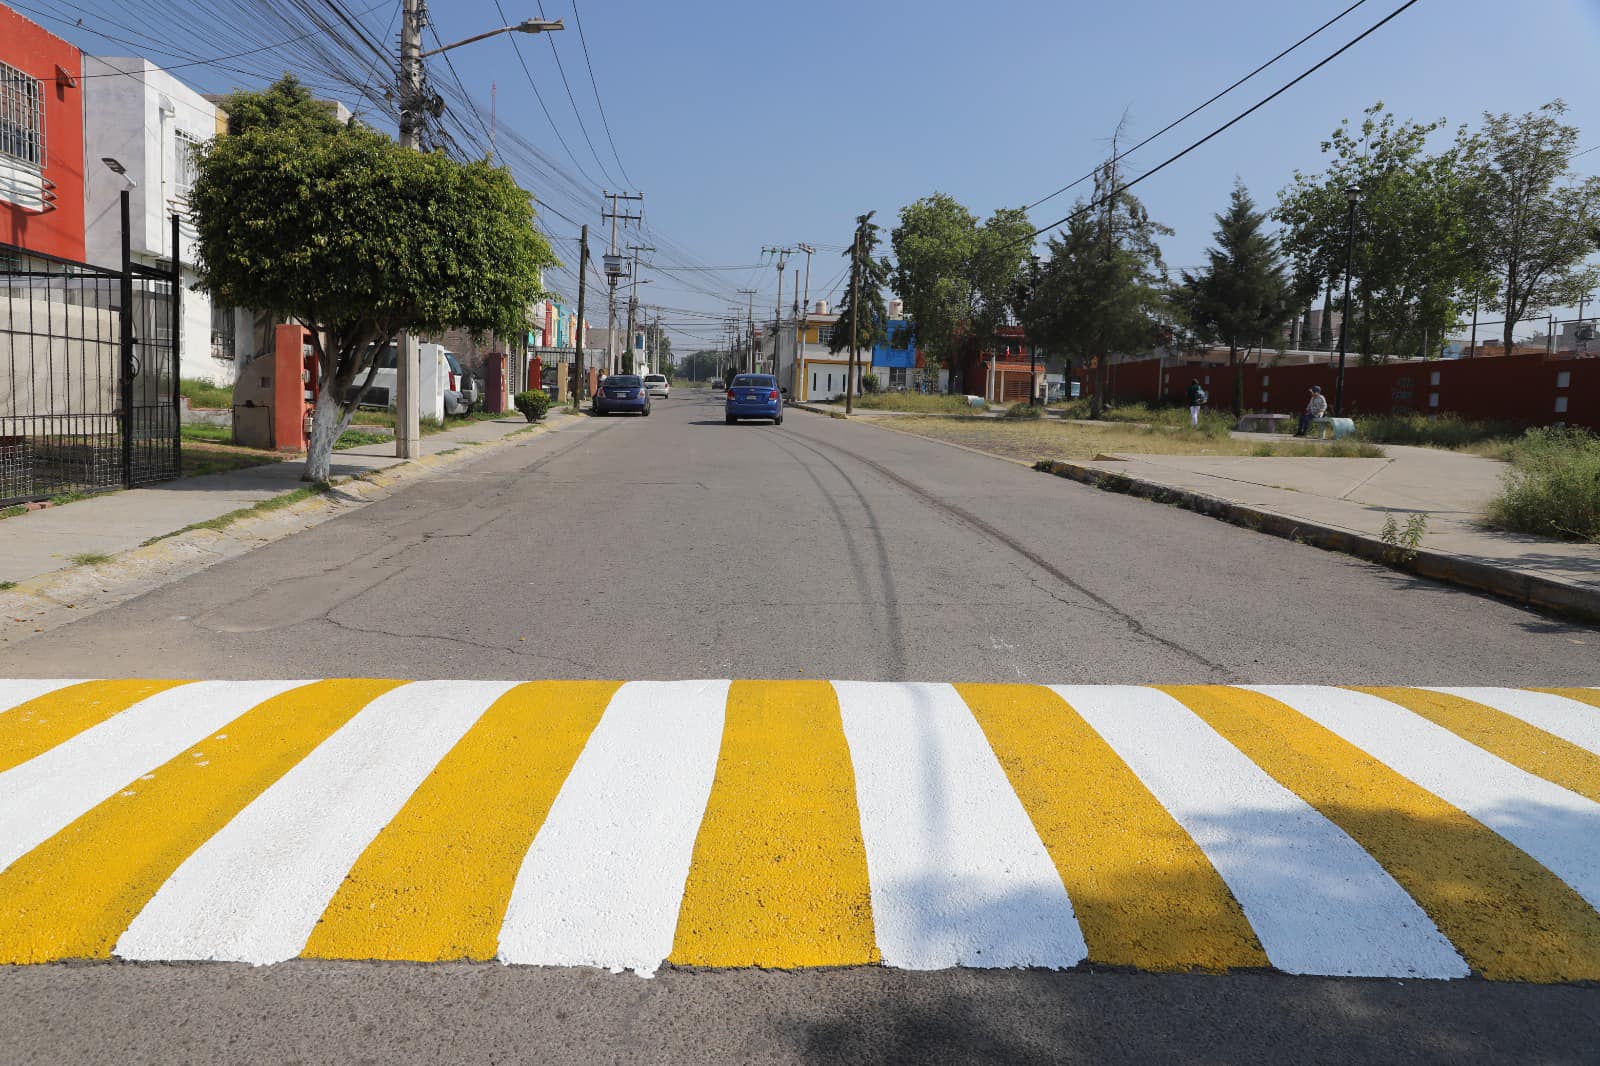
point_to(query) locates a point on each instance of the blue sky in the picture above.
(749, 124)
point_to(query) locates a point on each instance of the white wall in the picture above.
(135, 117)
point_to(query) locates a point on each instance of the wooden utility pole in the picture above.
(577, 329)
(855, 303)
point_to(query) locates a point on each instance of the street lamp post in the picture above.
(407, 420)
(1353, 195)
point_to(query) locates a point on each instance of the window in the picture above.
(21, 120)
(897, 377)
(183, 170)
(1563, 379)
(824, 334)
(1561, 405)
(221, 331)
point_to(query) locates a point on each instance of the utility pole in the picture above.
(407, 419)
(750, 321)
(805, 318)
(614, 269)
(855, 301)
(577, 329)
(633, 300)
(783, 255)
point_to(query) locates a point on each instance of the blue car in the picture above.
(622, 392)
(754, 396)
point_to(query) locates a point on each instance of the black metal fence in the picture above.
(88, 373)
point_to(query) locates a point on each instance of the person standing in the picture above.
(1316, 407)
(1197, 400)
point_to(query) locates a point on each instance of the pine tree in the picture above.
(1243, 297)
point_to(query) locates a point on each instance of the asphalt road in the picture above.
(679, 547)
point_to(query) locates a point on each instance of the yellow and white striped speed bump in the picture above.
(1392, 832)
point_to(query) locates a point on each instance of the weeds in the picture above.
(201, 431)
(1404, 541)
(921, 403)
(1553, 486)
(1435, 431)
(272, 503)
(89, 558)
(12, 512)
(201, 393)
(7, 586)
(1335, 449)
(1024, 411)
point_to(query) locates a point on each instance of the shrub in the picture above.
(1438, 431)
(1024, 410)
(201, 393)
(533, 404)
(871, 384)
(1553, 486)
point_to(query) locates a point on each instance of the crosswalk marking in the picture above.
(1144, 893)
(14, 693)
(435, 883)
(1509, 916)
(779, 877)
(959, 876)
(72, 896)
(1557, 713)
(254, 891)
(57, 715)
(1550, 823)
(1318, 903)
(49, 792)
(1338, 831)
(603, 881)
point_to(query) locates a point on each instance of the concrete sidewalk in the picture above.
(1354, 497)
(44, 541)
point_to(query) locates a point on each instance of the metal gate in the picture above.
(88, 373)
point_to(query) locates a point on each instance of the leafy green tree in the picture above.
(1101, 292)
(358, 239)
(1414, 265)
(873, 272)
(285, 103)
(1535, 225)
(1243, 298)
(957, 276)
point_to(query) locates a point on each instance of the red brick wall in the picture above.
(1522, 388)
(38, 53)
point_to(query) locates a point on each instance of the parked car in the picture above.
(754, 396)
(460, 393)
(468, 385)
(621, 392)
(716, 383)
(657, 384)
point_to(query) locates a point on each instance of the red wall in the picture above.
(38, 53)
(1521, 388)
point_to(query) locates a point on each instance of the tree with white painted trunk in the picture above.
(344, 232)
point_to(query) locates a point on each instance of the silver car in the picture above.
(657, 384)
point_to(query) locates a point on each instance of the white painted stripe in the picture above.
(604, 879)
(14, 693)
(1558, 828)
(1577, 723)
(255, 890)
(959, 876)
(47, 793)
(1318, 902)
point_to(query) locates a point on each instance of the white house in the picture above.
(148, 122)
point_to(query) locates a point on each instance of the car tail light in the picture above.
(773, 395)
(730, 394)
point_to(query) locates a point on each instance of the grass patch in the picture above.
(364, 417)
(1031, 441)
(1553, 486)
(201, 458)
(1024, 412)
(89, 558)
(13, 511)
(914, 401)
(201, 431)
(1490, 439)
(6, 586)
(358, 438)
(272, 503)
(202, 393)
(1334, 449)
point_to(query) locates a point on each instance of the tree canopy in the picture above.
(873, 274)
(285, 104)
(357, 239)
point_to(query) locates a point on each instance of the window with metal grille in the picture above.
(21, 119)
(183, 171)
(824, 334)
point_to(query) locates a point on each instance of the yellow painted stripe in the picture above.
(1144, 893)
(1504, 736)
(1590, 696)
(435, 883)
(779, 876)
(35, 727)
(71, 897)
(1510, 918)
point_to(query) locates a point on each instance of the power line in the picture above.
(1208, 103)
(596, 86)
(582, 126)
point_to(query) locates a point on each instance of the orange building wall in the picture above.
(59, 67)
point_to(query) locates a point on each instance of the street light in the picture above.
(526, 26)
(1352, 193)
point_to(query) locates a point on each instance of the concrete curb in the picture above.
(55, 598)
(1529, 590)
(814, 409)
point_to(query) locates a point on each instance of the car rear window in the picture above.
(653, 378)
(455, 364)
(753, 381)
(624, 381)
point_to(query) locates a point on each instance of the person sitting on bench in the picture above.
(1316, 407)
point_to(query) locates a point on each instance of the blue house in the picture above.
(894, 359)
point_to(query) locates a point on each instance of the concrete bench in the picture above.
(1340, 427)
(1259, 423)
